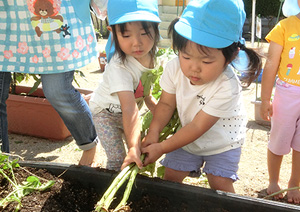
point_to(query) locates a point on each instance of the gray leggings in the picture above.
(109, 128)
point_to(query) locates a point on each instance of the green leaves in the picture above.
(17, 78)
(31, 184)
(149, 78)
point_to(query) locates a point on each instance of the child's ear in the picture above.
(109, 28)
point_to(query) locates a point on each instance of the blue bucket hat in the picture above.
(122, 11)
(290, 7)
(212, 23)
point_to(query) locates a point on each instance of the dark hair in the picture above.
(179, 43)
(146, 25)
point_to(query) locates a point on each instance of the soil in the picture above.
(63, 195)
(252, 172)
(66, 196)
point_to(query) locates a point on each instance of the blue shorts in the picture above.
(224, 164)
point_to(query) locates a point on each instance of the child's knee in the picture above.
(174, 175)
(220, 183)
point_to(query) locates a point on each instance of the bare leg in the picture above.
(91, 157)
(174, 175)
(220, 183)
(274, 163)
(294, 195)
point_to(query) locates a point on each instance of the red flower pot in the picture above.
(34, 116)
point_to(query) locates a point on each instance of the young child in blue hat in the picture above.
(115, 103)
(284, 61)
(203, 86)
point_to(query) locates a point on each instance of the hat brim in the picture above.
(290, 7)
(201, 37)
(145, 16)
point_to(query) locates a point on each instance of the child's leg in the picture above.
(4, 90)
(109, 127)
(91, 157)
(75, 113)
(284, 131)
(174, 175)
(220, 183)
(221, 169)
(294, 195)
(179, 164)
(274, 162)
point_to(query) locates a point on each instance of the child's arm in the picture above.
(131, 125)
(150, 102)
(87, 97)
(201, 123)
(163, 113)
(268, 78)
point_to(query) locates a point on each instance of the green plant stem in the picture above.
(4, 175)
(281, 191)
(107, 197)
(170, 131)
(110, 197)
(128, 189)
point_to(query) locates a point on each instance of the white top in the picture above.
(220, 98)
(116, 77)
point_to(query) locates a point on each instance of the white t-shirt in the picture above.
(220, 98)
(118, 76)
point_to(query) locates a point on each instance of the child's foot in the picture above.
(293, 196)
(273, 188)
(91, 157)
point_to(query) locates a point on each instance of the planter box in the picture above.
(34, 116)
(257, 117)
(181, 197)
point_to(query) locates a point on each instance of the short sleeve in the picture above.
(276, 34)
(119, 78)
(169, 76)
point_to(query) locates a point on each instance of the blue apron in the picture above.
(46, 36)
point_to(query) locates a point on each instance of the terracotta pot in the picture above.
(34, 116)
(102, 61)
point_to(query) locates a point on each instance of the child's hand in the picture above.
(266, 110)
(133, 156)
(153, 152)
(151, 138)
